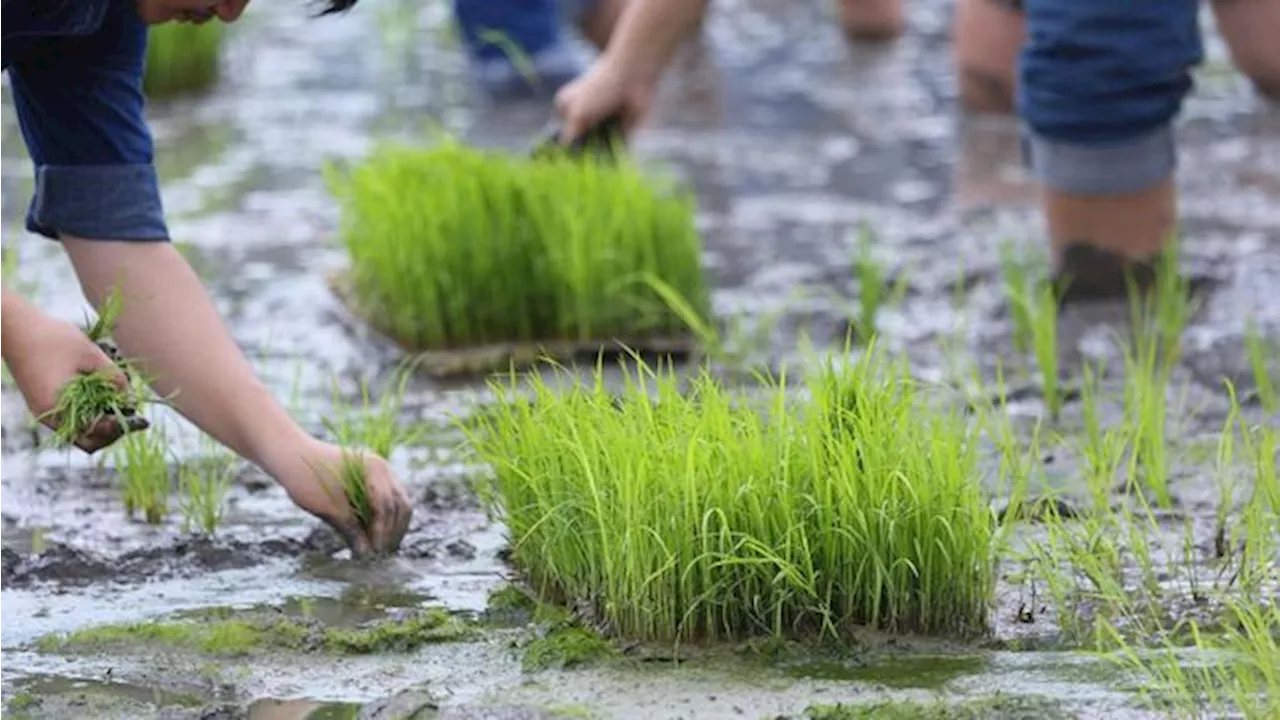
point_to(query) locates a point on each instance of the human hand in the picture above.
(44, 354)
(603, 92)
(372, 521)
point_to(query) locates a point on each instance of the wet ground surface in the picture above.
(792, 138)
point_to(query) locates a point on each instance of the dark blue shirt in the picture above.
(75, 70)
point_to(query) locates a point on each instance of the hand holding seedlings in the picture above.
(358, 496)
(68, 381)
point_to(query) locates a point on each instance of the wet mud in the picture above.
(794, 140)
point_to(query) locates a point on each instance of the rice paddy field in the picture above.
(889, 485)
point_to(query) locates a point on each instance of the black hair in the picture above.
(332, 7)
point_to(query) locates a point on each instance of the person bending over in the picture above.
(1097, 84)
(75, 70)
(537, 29)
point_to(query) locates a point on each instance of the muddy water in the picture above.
(792, 138)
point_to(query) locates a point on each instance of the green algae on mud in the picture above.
(737, 525)
(998, 707)
(453, 248)
(233, 636)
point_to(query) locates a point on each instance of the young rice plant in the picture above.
(142, 460)
(182, 58)
(453, 247)
(687, 514)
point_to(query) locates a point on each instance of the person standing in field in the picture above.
(537, 29)
(75, 69)
(1097, 85)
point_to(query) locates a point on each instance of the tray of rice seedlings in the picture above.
(474, 259)
(706, 514)
(182, 58)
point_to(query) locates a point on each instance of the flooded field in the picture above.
(794, 140)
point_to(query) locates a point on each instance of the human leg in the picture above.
(1099, 86)
(986, 37)
(1251, 29)
(871, 19)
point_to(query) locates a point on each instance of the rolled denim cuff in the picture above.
(1117, 168)
(98, 202)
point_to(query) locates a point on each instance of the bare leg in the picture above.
(600, 19)
(1251, 29)
(170, 326)
(872, 19)
(986, 38)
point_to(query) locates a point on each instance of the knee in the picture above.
(986, 38)
(1098, 72)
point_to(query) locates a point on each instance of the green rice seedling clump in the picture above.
(182, 58)
(83, 401)
(204, 483)
(693, 515)
(142, 459)
(453, 247)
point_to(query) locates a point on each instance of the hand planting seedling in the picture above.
(457, 250)
(602, 142)
(351, 480)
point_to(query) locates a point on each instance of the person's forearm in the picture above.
(14, 310)
(648, 34)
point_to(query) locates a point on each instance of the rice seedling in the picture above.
(376, 426)
(182, 58)
(1016, 274)
(874, 289)
(204, 483)
(453, 247)
(355, 485)
(1158, 319)
(1044, 341)
(705, 514)
(1262, 373)
(142, 459)
(352, 480)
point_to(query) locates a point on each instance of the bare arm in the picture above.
(648, 34)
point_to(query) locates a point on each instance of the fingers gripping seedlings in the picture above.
(93, 409)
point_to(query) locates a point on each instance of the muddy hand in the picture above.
(389, 507)
(602, 97)
(108, 429)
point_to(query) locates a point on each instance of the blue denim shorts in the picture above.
(1099, 85)
(75, 69)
